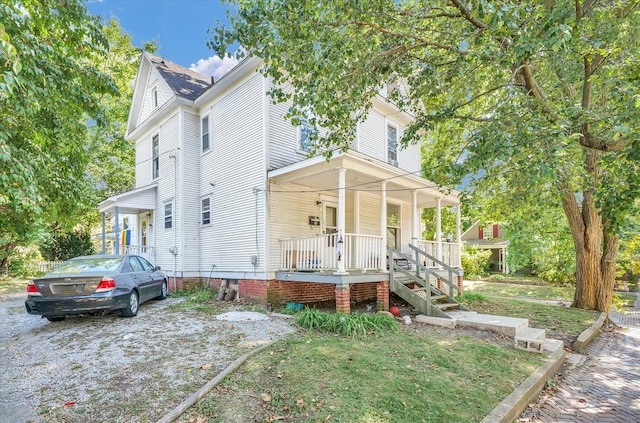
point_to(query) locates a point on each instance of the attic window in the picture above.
(154, 97)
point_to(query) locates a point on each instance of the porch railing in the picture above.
(140, 250)
(450, 252)
(320, 252)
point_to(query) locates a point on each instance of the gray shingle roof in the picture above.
(183, 81)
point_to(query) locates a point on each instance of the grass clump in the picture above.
(349, 325)
(201, 299)
(470, 298)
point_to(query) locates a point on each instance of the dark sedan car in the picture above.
(96, 284)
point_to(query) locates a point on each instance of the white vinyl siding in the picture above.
(169, 190)
(234, 177)
(372, 136)
(190, 151)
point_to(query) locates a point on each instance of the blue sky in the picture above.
(178, 26)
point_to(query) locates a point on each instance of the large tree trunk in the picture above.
(596, 248)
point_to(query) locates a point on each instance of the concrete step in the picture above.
(500, 324)
(553, 345)
(531, 333)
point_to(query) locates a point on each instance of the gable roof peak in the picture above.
(184, 82)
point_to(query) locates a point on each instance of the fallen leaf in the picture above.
(300, 403)
(69, 404)
(279, 376)
(206, 366)
(265, 397)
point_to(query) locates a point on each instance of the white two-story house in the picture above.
(226, 189)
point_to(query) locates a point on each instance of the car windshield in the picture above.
(89, 265)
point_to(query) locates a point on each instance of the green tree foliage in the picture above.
(544, 93)
(49, 90)
(63, 245)
(475, 261)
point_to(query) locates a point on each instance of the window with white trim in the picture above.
(206, 211)
(154, 97)
(393, 225)
(205, 133)
(307, 134)
(155, 162)
(168, 215)
(392, 144)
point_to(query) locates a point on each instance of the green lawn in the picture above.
(420, 373)
(538, 292)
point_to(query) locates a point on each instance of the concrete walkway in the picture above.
(605, 384)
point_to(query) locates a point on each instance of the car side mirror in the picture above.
(157, 268)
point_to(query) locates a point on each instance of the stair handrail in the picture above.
(450, 270)
(445, 266)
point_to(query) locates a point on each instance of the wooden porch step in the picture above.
(446, 306)
(439, 297)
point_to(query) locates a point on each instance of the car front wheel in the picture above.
(132, 307)
(55, 318)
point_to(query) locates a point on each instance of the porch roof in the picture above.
(364, 173)
(131, 202)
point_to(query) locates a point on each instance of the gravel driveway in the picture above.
(115, 369)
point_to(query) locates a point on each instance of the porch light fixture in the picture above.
(340, 247)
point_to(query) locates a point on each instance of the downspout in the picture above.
(174, 250)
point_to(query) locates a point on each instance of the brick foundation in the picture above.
(382, 296)
(343, 299)
(279, 292)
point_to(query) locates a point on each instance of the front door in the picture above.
(329, 227)
(144, 227)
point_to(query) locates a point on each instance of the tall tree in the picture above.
(544, 91)
(49, 90)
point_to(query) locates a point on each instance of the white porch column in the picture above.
(117, 232)
(459, 232)
(415, 218)
(383, 224)
(104, 248)
(341, 218)
(439, 229)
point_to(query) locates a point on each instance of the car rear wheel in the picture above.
(55, 318)
(132, 307)
(164, 291)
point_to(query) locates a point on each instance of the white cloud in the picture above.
(214, 66)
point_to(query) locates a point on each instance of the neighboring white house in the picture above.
(490, 237)
(225, 189)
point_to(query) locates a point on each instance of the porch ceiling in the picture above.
(131, 202)
(363, 174)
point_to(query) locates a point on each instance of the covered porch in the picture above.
(342, 213)
(128, 222)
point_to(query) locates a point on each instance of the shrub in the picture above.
(475, 261)
(349, 325)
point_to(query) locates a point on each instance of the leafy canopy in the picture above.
(521, 89)
(49, 91)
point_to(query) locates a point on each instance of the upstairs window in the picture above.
(154, 97)
(205, 133)
(392, 144)
(155, 162)
(206, 211)
(168, 215)
(306, 135)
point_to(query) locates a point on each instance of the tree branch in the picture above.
(396, 35)
(467, 15)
